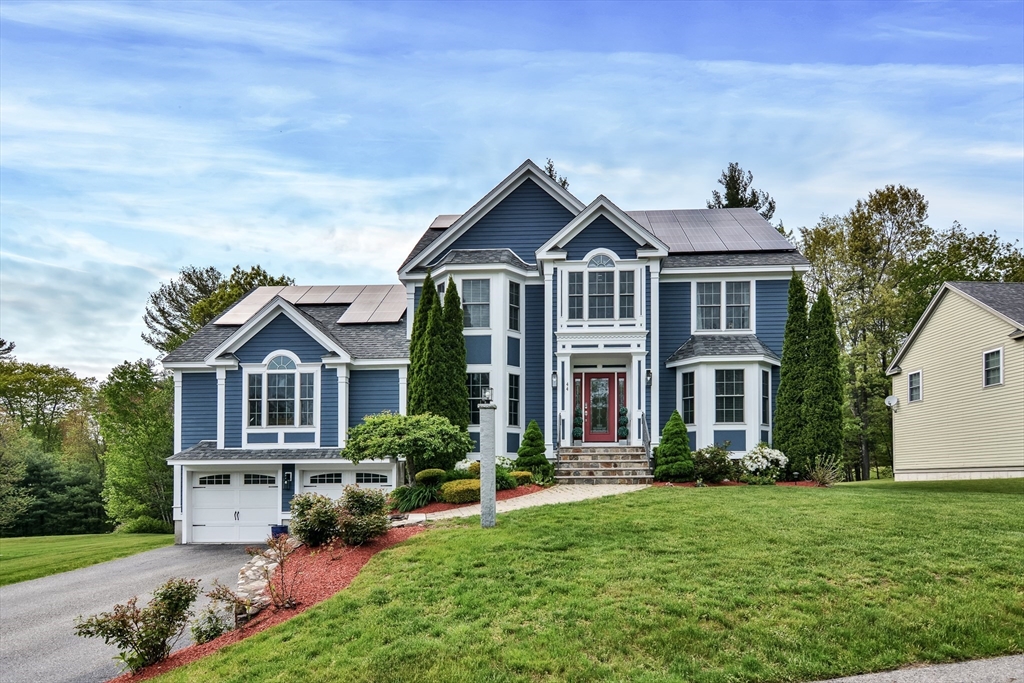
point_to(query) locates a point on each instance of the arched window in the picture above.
(601, 261)
(282, 394)
(281, 363)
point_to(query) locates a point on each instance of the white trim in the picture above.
(694, 360)
(342, 405)
(602, 206)
(1002, 365)
(760, 272)
(920, 386)
(201, 366)
(301, 368)
(550, 437)
(654, 294)
(526, 171)
(380, 363)
(221, 393)
(221, 464)
(177, 411)
(403, 390)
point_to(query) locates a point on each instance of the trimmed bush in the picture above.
(523, 477)
(674, 459)
(144, 525)
(503, 479)
(474, 468)
(711, 464)
(532, 455)
(461, 491)
(362, 502)
(456, 475)
(430, 477)
(314, 519)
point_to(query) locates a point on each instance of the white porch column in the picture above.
(549, 431)
(342, 405)
(177, 411)
(186, 506)
(638, 380)
(221, 395)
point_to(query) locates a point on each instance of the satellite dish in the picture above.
(891, 401)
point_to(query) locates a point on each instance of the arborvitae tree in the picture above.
(823, 392)
(788, 432)
(674, 460)
(531, 455)
(454, 390)
(416, 382)
(433, 353)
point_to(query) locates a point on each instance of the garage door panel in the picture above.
(213, 515)
(214, 498)
(253, 498)
(215, 533)
(233, 512)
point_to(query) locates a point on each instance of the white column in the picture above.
(410, 308)
(488, 496)
(637, 379)
(342, 406)
(655, 352)
(177, 411)
(403, 389)
(221, 395)
(549, 435)
(186, 503)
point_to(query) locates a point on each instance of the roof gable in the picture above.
(280, 323)
(601, 224)
(601, 233)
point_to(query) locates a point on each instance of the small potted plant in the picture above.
(577, 427)
(623, 425)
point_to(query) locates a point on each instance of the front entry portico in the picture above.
(598, 398)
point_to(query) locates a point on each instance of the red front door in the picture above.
(600, 412)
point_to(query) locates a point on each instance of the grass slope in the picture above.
(31, 557)
(673, 584)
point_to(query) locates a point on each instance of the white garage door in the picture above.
(332, 484)
(233, 507)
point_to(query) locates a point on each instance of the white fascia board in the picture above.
(697, 360)
(454, 268)
(222, 464)
(527, 170)
(380, 363)
(267, 313)
(602, 206)
(773, 272)
(197, 366)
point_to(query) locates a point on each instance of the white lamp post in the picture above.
(488, 500)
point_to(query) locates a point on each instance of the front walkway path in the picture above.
(997, 670)
(560, 493)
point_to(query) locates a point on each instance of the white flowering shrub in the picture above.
(463, 464)
(506, 462)
(764, 461)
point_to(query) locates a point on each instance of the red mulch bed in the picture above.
(690, 484)
(524, 490)
(324, 572)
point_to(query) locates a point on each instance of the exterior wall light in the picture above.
(650, 377)
(488, 392)
(554, 380)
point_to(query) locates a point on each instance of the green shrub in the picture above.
(461, 491)
(314, 519)
(712, 464)
(431, 477)
(523, 477)
(503, 479)
(208, 625)
(456, 475)
(363, 502)
(674, 459)
(474, 468)
(144, 525)
(757, 480)
(144, 635)
(358, 529)
(427, 441)
(826, 471)
(409, 498)
(532, 453)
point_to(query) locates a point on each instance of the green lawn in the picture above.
(673, 584)
(30, 557)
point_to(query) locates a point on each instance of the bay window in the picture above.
(729, 396)
(476, 303)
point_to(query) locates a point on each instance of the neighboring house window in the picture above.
(737, 305)
(626, 294)
(513, 400)
(728, 396)
(709, 305)
(256, 400)
(513, 306)
(283, 405)
(476, 303)
(766, 394)
(914, 386)
(215, 480)
(371, 478)
(328, 478)
(575, 295)
(688, 399)
(993, 367)
(262, 479)
(476, 382)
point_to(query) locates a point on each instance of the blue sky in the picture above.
(320, 139)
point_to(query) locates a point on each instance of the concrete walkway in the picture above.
(561, 493)
(998, 670)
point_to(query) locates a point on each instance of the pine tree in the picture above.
(454, 392)
(674, 460)
(788, 432)
(416, 381)
(531, 455)
(823, 392)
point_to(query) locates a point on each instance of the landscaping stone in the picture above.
(252, 582)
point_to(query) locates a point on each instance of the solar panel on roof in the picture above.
(392, 307)
(317, 294)
(249, 306)
(345, 294)
(665, 226)
(640, 217)
(293, 293)
(729, 231)
(360, 310)
(760, 230)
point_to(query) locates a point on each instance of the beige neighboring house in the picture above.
(958, 382)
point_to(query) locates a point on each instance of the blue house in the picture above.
(590, 313)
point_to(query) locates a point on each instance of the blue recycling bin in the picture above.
(278, 529)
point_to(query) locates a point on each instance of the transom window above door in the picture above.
(601, 292)
(282, 396)
(715, 312)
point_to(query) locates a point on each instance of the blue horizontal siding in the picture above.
(233, 409)
(329, 407)
(198, 407)
(280, 333)
(287, 486)
(478, 349)
(737, 438)
(674, 330)
(513, 352)
(772, 302)
(371, 392)
(601, 233)
(523, 221)
(533, 375)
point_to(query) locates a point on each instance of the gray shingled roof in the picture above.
(1004, 297)
(755, 258)
(207, 450)
(362, 341)
(721, 345)
(474, 256)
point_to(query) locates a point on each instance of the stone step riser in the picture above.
(600, 449)
(595, 457)
(597, 481)
(604, 475)
(602, 466)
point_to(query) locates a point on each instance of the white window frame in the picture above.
(300, 367)
(743, 397)
(920, 386)
(723, 306)
(636, 321)
(1002, 366)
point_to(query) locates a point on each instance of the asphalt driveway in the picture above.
(37, 617)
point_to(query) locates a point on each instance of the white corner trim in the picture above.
(221, 403)
(177, 411)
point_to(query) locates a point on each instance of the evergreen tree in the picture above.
(823, 392)
(531, 455)
(788, 430)
(433, 352)
(453, 390)
(739, 194)
(416, 381)
(674, 460)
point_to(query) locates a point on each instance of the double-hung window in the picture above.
(993, 367)
(731, 314)
(476, 382)
(281, 397)
(575, 295)
(709, 306)
(688, 399)
(766, 397)
(601, 295)
(626, 294)
(728, 396)
(737, 305)
(513, 306)
(914, 386)
(476, 303)
(513, 400)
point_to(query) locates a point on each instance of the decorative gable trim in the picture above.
(602, 206)
(266, 314)
(527, 171)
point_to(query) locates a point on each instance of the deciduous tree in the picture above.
(231, 290)
(549, 168)
(426, 441)
(168, 314)
(40, 396)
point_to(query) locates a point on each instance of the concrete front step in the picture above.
(592, 481)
